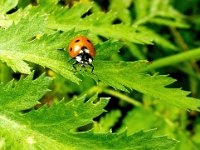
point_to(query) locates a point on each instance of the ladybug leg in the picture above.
(92, 67)
(70, 59)
(76, 62)
(64, 49)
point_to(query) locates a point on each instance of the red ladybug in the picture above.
(82, 50)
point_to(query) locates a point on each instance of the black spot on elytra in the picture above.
(70, 49)
(77, 41)
(89, 41)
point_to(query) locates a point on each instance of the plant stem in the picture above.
(122, 97)
(180, 41)
(103, 89)
(175, 59)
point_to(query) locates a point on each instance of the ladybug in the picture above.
(82, 50)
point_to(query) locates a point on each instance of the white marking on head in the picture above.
(81, 51)
(89, 60)
(78, 58)
(86, 51)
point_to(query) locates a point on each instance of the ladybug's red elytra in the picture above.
(82, 50)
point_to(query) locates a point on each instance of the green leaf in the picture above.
(105, 50)
(123, 75)
(137, 115)
(15, 50)
(158, 11)
(63, 117)
(98, 23)
(11, 44)
(23, 4)
(24, 94)
(53, 128)
(160, 40)
(124, 14)
(6, 5)
(107, 122)
(140, 140)
(47, 2)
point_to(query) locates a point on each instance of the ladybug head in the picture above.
(84, 57)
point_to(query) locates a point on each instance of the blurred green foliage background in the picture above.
(175, 28)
